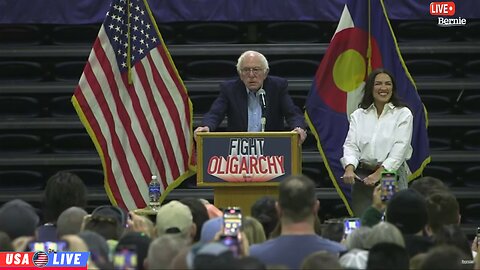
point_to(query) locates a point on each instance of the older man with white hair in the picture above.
(253, 96)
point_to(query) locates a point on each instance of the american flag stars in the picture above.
(131, 25)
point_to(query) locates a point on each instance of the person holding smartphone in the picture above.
(232, 222)
(378, 139)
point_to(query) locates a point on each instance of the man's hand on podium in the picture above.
(302, 133)
(200, 129)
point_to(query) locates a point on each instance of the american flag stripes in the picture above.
(135, 106)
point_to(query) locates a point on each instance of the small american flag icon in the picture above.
(40, 259)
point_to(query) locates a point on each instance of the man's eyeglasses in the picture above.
(255, 71)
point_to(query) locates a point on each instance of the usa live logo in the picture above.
(44, 261)
(447, 9)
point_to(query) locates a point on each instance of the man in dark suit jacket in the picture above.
(233, 100)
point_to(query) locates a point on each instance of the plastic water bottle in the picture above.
(154, 193)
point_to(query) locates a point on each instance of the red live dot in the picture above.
(442, 8)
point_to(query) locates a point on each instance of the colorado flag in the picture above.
(363, 41)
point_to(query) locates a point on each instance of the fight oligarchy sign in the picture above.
(246, 159)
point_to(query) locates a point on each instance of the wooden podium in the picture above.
(244, 166)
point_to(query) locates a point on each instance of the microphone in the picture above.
(263, 100)
(263, 104)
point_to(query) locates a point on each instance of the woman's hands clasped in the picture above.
(373, 178)
(349, 176)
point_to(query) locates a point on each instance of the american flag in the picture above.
(135, 106)
(40, 259)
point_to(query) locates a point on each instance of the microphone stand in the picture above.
(263, 120)
(263, 104)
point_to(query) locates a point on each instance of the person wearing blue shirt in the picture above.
(297, 207)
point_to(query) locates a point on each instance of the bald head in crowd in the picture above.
(70, 221)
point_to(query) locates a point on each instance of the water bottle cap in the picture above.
(154, 177)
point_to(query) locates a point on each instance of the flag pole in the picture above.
(129, 61)
(369, 41)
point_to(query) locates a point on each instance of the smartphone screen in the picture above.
(389, 185)
(48, 246)
(350, 224)
(125, 258)
(232, 221)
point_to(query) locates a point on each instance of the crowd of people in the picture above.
(417, 229)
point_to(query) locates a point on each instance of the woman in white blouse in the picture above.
(378, 139)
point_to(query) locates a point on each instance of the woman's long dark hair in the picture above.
(367, 99)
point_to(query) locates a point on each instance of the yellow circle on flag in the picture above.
(349, 70)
